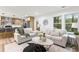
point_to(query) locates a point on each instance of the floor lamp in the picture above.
(75, 25)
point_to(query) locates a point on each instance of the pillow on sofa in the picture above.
(28, 30)
(48, 32)
(20, 30)
(55, 33)
(62, 33)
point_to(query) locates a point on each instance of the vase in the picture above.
(43, 39)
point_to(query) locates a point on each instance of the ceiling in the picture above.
(22, 11)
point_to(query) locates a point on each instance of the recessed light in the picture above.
(63, 6)
(3, 13)
(36, 13)
(13, 15)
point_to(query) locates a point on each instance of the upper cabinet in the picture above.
(5, 20)
(17, 21)
(10, 21)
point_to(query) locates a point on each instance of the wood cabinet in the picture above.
(17, 21)
(5, 20)
(6, 34)
(10, 20)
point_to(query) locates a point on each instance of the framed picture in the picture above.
(45, 22)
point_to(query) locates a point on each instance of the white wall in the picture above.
(50, 18)
(50, 22)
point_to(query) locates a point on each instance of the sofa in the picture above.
(22, 35)
(58, 37)
(77, 38)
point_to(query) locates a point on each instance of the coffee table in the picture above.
(46, 44)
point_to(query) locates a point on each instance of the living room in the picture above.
(55, 28)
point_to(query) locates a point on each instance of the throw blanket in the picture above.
(34, 48)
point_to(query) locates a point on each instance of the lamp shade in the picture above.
(74, 25)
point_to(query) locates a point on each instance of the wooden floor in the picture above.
(3, 42)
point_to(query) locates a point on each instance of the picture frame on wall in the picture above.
(45, 22)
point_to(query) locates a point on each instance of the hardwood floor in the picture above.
(3, 42)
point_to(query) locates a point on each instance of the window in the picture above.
(69, 20)
(57, 22)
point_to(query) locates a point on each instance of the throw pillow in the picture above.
(20, 30)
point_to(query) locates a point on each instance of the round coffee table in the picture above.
(46, 44)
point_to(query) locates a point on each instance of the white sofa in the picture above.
(20, 38)
(57, 36)
(77, 38)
